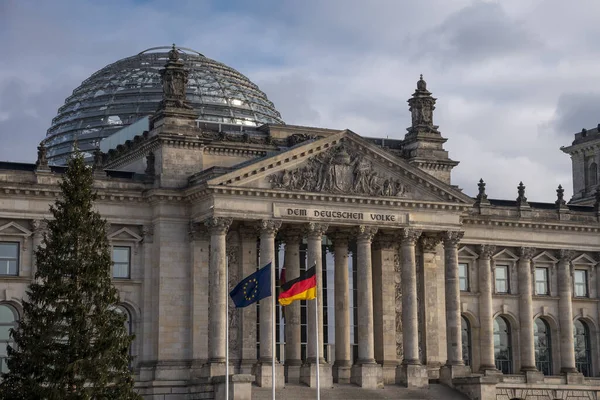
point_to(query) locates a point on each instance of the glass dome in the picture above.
(129, 89)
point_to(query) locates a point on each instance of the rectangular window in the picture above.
(121, 257)
(9, 258)
(502, 279)
(463, 276)
(541, 281)
(580, 282)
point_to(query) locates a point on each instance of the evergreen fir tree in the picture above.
(71, 342)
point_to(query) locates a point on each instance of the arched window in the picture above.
(502, 345)
(466, 341)
(593, 173)
(543, 347)
(128, 325)
(583, 356)
(8, 320)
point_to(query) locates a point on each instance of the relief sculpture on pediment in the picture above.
(341, 170)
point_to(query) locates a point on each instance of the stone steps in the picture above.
(351, 392)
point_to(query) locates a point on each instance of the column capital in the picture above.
(365, 232)
(292, 235)
(148, 233)
(385, 242)
(486, 251)
(315, 230)
(429, 242)
(409, 235)
(526, 253)
(268, 226)
(218, 225)
(340, 237)
(452, 238)
(197, 231)
(565, 255)
(247, 232)
(38, 226)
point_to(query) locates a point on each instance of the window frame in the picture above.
(466, 278)
(584, 367)
(129, 258)
(585, 283)
(506, 267)
(17, 260)
(468, 351)
(504, 365)
(9, 341)
(546, 281)
(543, 366)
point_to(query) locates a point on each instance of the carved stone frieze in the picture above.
(315, 230)
(429, 242)
(486, 251)
(365, 232)
(340, 170)
(409, 235)
(268, 226)
(452, 238)
(218, 225)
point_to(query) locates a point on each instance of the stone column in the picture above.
(433, 313)
(293, 358)
(343, 355)
(411, 373)
(526, 315)
(248, 264)
(268, 230)
(455, 366)
(486, 311)
(365, 372)
(314, 233)
(217, 294)
(565, 316)
(385, 251)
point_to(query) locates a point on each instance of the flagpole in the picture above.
(227, 332)
(317, 342)
(273, 341)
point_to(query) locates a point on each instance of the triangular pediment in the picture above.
(584, 259)
(14, 229)
(505, 255)
(125, 234)
(545, 257)
(466, 252)
(342, 164)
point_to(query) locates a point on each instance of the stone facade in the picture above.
(434, 269)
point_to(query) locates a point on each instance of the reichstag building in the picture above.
(202, 182)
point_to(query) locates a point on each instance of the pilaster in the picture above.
(199, 259)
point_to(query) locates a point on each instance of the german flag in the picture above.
(302, 288)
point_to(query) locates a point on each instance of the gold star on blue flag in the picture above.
(253, 288)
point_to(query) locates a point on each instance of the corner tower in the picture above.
(424, 144)
(585, 158)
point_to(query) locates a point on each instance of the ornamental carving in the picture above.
(429, 242)
(292, 236)
(452, 238)
(365, 232)
(398, 304)
(268, 226)
(218, 225)
(566, 255)
(409, 236)
(385, 242)
(147, 233)
(341, 170)
(340, 237)
(486, 251)
(315, 230)
(526, 253)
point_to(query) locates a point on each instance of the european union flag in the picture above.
(253, 288)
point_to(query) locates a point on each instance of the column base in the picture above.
(489, 370)
(264, 374)
(412, 376)
(308, 375)
(433, 370)
(532, 375)
(342, 371)
(389, 372)
(292, 371)
(449, 372)
(247, 367)
(368, 376)
(574, 377)
(240, 387)
(212, 369)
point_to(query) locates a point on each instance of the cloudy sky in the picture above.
(514, 78)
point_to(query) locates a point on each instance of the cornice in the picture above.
(136, 153)
(556, 226)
